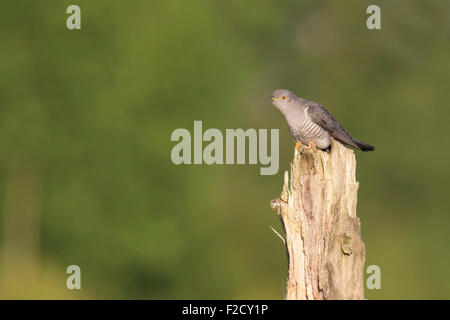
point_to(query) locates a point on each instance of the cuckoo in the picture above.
(311, 124)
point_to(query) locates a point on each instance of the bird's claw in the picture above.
(311, 145)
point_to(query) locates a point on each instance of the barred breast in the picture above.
(308, 131)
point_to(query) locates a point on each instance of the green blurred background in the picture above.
(86, 116)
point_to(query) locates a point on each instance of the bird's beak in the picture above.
(273, 98)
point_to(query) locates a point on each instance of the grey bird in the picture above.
(311, 124)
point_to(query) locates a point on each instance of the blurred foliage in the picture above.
(86, 116)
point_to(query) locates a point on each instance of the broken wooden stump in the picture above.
(317, 209)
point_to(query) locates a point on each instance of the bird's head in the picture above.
(282, 98)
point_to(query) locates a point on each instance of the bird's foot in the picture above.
(311, 145)
(298, 145)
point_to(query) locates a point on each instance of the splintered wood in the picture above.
(317, 208)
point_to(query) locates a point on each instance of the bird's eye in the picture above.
(283, 97)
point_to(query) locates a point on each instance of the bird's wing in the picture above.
(320, 116)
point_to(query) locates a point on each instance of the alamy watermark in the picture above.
(73, 22)
(374, 280)
(74, 280)
(236, 141)
(373, 22)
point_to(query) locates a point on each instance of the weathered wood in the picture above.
(317, 209)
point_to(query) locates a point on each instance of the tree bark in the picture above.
(317, 209)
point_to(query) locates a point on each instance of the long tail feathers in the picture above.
(343, 136)
(363, 146)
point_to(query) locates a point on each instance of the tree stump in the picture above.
(317, 209)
